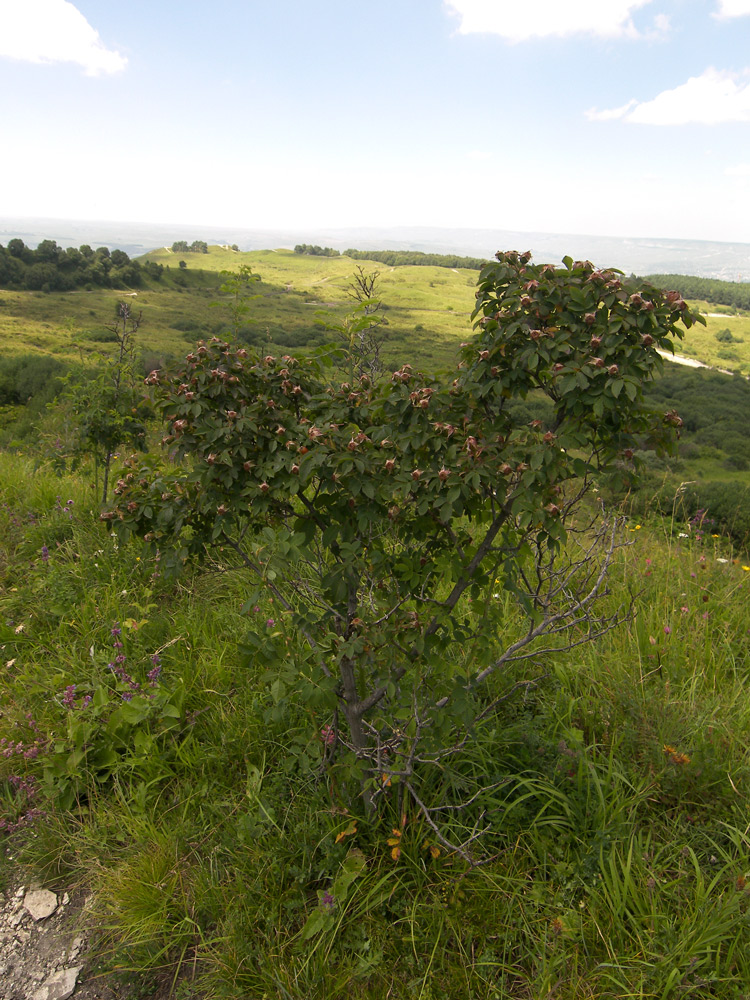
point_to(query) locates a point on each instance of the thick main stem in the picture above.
(353, 713)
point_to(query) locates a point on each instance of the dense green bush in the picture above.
(53, 268)
(713, 406)
(26, 376)
(728, 503)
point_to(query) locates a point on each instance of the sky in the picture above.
(601, 117)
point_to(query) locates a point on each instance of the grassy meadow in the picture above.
(148, 758)
(427, 309)
(701, 343)
(205, 831)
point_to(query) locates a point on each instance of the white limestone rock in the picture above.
(40, 903)
(58, 986)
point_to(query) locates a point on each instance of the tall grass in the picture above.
(617, 856)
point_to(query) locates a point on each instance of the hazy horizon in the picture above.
(645, 255)
(624, 118)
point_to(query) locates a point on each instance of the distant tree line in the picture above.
(726, 293)
(316, 251)
(51, 268)
(197, 246)
(394, 258)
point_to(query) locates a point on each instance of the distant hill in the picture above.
(727, 261)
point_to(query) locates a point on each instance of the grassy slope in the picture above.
(427, 308)
(620, 867)
(701, 344)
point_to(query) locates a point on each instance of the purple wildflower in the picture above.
(45, 554)
(69, 696)
(270, 622)
(327, 901)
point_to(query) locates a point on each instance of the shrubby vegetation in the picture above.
(316, 251)
(28, 376)
(51, 268)
(396, 258)
(176, 746)
(713, 407)
(373, 512)
(714, 410)
(197, 246)
(727, 293)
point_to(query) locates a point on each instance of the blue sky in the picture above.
(607, 117)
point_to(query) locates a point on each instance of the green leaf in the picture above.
(278, 690)
(318, 920)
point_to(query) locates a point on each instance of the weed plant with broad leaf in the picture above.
(108, 404)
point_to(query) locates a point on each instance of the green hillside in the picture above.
(427, 309)
(171, 746)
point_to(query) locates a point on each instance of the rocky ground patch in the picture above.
(46, 950)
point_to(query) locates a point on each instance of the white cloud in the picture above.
(714, 98)
(48, 31)
(538, 18)
(739, 170)
(733, 8)
(606, 116)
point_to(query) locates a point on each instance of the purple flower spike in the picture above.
(327, 900)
